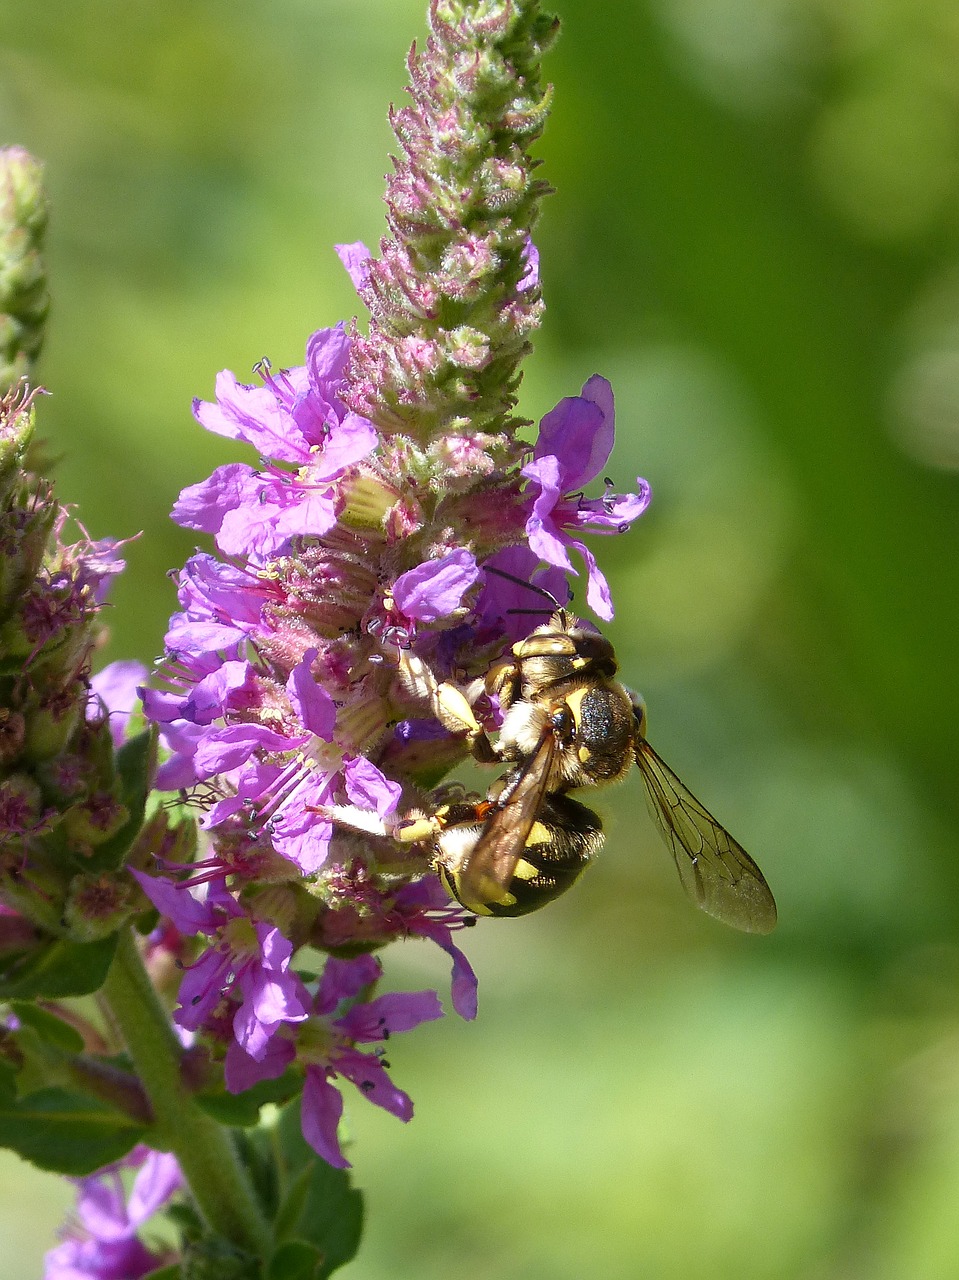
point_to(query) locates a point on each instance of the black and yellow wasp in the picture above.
(569, 724)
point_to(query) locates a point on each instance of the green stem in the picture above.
(204, 1149)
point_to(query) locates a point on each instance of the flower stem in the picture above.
(204, 1149)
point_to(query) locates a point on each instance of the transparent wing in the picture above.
(494, 858)
(716, 871)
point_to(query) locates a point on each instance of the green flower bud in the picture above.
(24, 299)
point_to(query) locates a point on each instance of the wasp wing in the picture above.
(716, 871)
(487, 874)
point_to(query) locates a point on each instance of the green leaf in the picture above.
(173, 1272)
(242, 1110)
(296, 1260)
(58, 969)
(51, 1029)
(134, 765)
(66, 1132)
(320, 1205)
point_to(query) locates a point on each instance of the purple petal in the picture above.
(530, 277)
(579, 433)
(512, 607)
(327, 353)
(344, 979)
(390, 1014)
(203, 506)
(463, 989)
(178, 904)
(312, 515)
(435, 588)
(241, 1072)
(321, 1108)
(371, 1078)
(597, 588)
(159, 1177)
(349, 442)
(368, 788)
(101, 1208)
(355, 258)
(228, 747)
(299, 833)
(202, 987)
(314, 707)
(252, 414)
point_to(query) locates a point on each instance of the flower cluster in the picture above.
(285, 693)
(360, 567)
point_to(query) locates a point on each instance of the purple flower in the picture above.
(326, 1047)
(247, 958)
(575, 441)
(298, 420)
(102, 1244)
(427, 912)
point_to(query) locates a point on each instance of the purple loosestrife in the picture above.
(390, 473)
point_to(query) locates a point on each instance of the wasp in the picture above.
(569, 724)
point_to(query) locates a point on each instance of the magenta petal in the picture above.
(177, 904)
(356, 259)
(202, 986)
(368, 788)
(203, 506)
(157, 1179)
(242, 1072)
(344, 979)
(390, 1014)
(232, 745)
(349, 442)
(372, 1079)
(321, 1109)
(314, 707)
(463, 989)
(252, 414)
(327, 351)
(579, 433)
(101, 1208)
(311, 515)
(598, 595)
(117, 688)
(432, 590)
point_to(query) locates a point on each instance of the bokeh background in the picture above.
(755, 236)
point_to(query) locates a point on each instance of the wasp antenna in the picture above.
(523, 582)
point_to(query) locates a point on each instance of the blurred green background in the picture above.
(755, 236)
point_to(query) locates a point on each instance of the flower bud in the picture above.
(24, 300)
